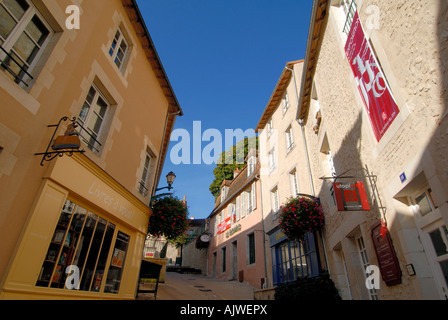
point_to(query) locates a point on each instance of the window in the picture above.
(270, 128)
(237, 208)
(223, 193)
(143, 184)
(119, 50)
(439, 239)
(251, 248)
(251, 199)
(365, 263)
(349, 7)
(83, 239)
(251, 163)
(92, 118)
(243, 204)
(285, 103)
(294, 183)
(117, 263)
(425, 202)
(272, 160)
(275, 204)
(23, 36)
(289, 139)
(293, 260)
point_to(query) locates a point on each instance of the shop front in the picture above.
(292, 260)
(84, 238)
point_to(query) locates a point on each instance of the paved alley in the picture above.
(199, 287)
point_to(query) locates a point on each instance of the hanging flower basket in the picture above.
(169, 219)
(301, 215)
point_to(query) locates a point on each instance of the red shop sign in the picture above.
(351, 196)
(387, 258)
(225, 225)
(373, 87)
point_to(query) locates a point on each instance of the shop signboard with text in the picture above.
(372, 84)
(225, 225)
(351, 196)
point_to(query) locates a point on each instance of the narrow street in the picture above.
(199, 287)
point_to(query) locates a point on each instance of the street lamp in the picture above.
(170, 180)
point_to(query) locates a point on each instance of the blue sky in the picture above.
(223, 59)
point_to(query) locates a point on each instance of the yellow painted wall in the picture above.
(75, 60)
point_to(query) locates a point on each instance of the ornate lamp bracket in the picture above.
(68, 149)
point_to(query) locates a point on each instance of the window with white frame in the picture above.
(119, 50)
(349, 7)
(237, 208)
(289, 139)
(251, 163)
(439, 240)
(243, 205)
(275, 203)
(272, 158)
(92, 118)
(425, 202)
(24, 33)
(294, 183)
(365, 263)
(270, 127)
(251, 199)
(285, 103)
(144, 181)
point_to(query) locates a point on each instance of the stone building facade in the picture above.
(404, 169)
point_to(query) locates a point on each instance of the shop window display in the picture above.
(84, 239)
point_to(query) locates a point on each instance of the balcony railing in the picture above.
(350, 16)
(6, 64)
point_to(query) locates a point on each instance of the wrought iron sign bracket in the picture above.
(372, 181)
(68, 149)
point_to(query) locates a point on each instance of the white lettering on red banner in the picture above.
(374, 89)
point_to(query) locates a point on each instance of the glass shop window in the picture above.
(82, 239)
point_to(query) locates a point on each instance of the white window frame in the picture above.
(270, 127)
(251, 163)
(294, 180)
(144, 181)
(85, 122)
(285, 102)
(17, 32)
(237, 208)
(275, 200)
(272, 160)
(113, 51)
(373, 294)
(289, 139)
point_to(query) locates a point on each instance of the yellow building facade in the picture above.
(74, 227)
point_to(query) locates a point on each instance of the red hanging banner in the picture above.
(373, 87)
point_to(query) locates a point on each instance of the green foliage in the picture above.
(231, 160)
(169, 219)
(308, 289)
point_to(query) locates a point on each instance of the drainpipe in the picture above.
(302, 126)
(264, 234)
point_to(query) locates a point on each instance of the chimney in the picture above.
(236, 172)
